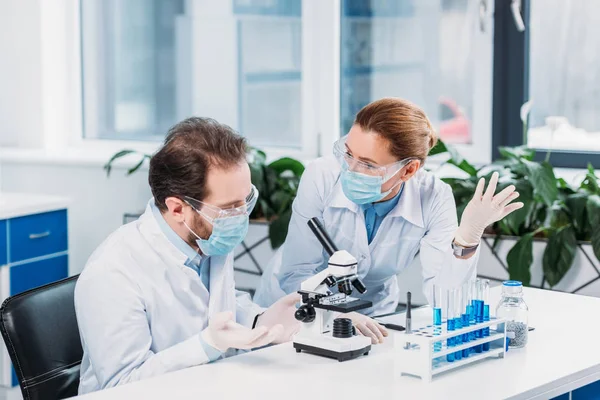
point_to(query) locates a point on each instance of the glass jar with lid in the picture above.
(513, 308)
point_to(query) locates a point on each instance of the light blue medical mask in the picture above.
(227, 233)
(230, 225)
(363, 189)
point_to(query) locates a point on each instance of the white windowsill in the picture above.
(80, 157)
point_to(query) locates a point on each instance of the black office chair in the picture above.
(40, 330)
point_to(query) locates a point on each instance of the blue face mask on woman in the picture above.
(363, 189)
(362, 181)
(227, 233)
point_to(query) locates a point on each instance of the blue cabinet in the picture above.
(38, 273)
(3, 243)
(33, 252)
(37, 235)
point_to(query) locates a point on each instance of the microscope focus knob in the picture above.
(305, 313)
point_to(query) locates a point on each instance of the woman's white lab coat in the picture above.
(424, 221)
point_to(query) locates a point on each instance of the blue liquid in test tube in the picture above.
(450, 322)
(437, 327)
(458, 307)
(466, 307)
(485, 291)
(437, 297)
(471, 311)
(486, 331)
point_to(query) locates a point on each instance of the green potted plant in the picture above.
(565, 217)
(277, 183)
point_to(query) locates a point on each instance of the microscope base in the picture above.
(341, 349)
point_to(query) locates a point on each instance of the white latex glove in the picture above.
(282, 313)
(366, 326)
(224, 333)
(485, 209)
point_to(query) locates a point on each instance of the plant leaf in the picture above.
(520, 258)
(593, 211)
(439, 148)
(287, 164)
(543, 181)
(590, 181)
(576, 205)
(559, 216)
(278, 229)
(559, 254)
(136, 166)
(516, 220)
(109, 163)
(517, 153)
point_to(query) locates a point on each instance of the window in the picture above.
(553, 63)
(436, 53)
(150, 63)
(564, 75)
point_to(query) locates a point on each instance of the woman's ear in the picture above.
(410, 169)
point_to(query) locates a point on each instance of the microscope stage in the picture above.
(354, 305)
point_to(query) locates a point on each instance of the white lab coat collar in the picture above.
(222, 292)
(409, 205)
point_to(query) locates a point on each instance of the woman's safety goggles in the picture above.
(210, 212)
(347, 161)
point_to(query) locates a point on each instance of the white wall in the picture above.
(20, 75)
(97, 203)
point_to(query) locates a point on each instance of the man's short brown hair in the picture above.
(191, 148)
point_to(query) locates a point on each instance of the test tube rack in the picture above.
(416, 355)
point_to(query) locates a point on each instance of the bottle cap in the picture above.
(512, 287)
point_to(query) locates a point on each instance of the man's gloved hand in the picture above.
(485, 209)
(282, 313)
(224, 333)
(366, 326)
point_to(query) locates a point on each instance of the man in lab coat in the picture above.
(158, 295)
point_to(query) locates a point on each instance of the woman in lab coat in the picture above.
(377, 203)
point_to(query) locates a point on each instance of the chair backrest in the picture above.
(40, 330)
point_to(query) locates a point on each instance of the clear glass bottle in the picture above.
(513, 307)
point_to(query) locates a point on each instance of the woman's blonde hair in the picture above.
(402, 123)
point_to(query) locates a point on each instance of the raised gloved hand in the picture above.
(367, 326)
(282, 313)
(224, 333)
(485, 209)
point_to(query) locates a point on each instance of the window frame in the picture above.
(511, 89)
(320, 120)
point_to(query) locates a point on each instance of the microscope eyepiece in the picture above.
(344, 286)
(357, 283)
(330, 281)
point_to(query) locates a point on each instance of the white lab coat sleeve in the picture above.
(246, 310)
(303, 255)
(438, 263)
(112, 319)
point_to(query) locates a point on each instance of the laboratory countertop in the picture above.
(14, 205)
(562, 355)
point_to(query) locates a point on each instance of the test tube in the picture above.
(466, 306)
(485, 294)
(458, 307)
(450, 296)
(479, 312)
(437, 314)
(472, 300)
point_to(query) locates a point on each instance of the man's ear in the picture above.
(175, 207)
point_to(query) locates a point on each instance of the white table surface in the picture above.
(19, 204)
(562, 354)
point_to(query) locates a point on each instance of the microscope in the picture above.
(321, 332)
